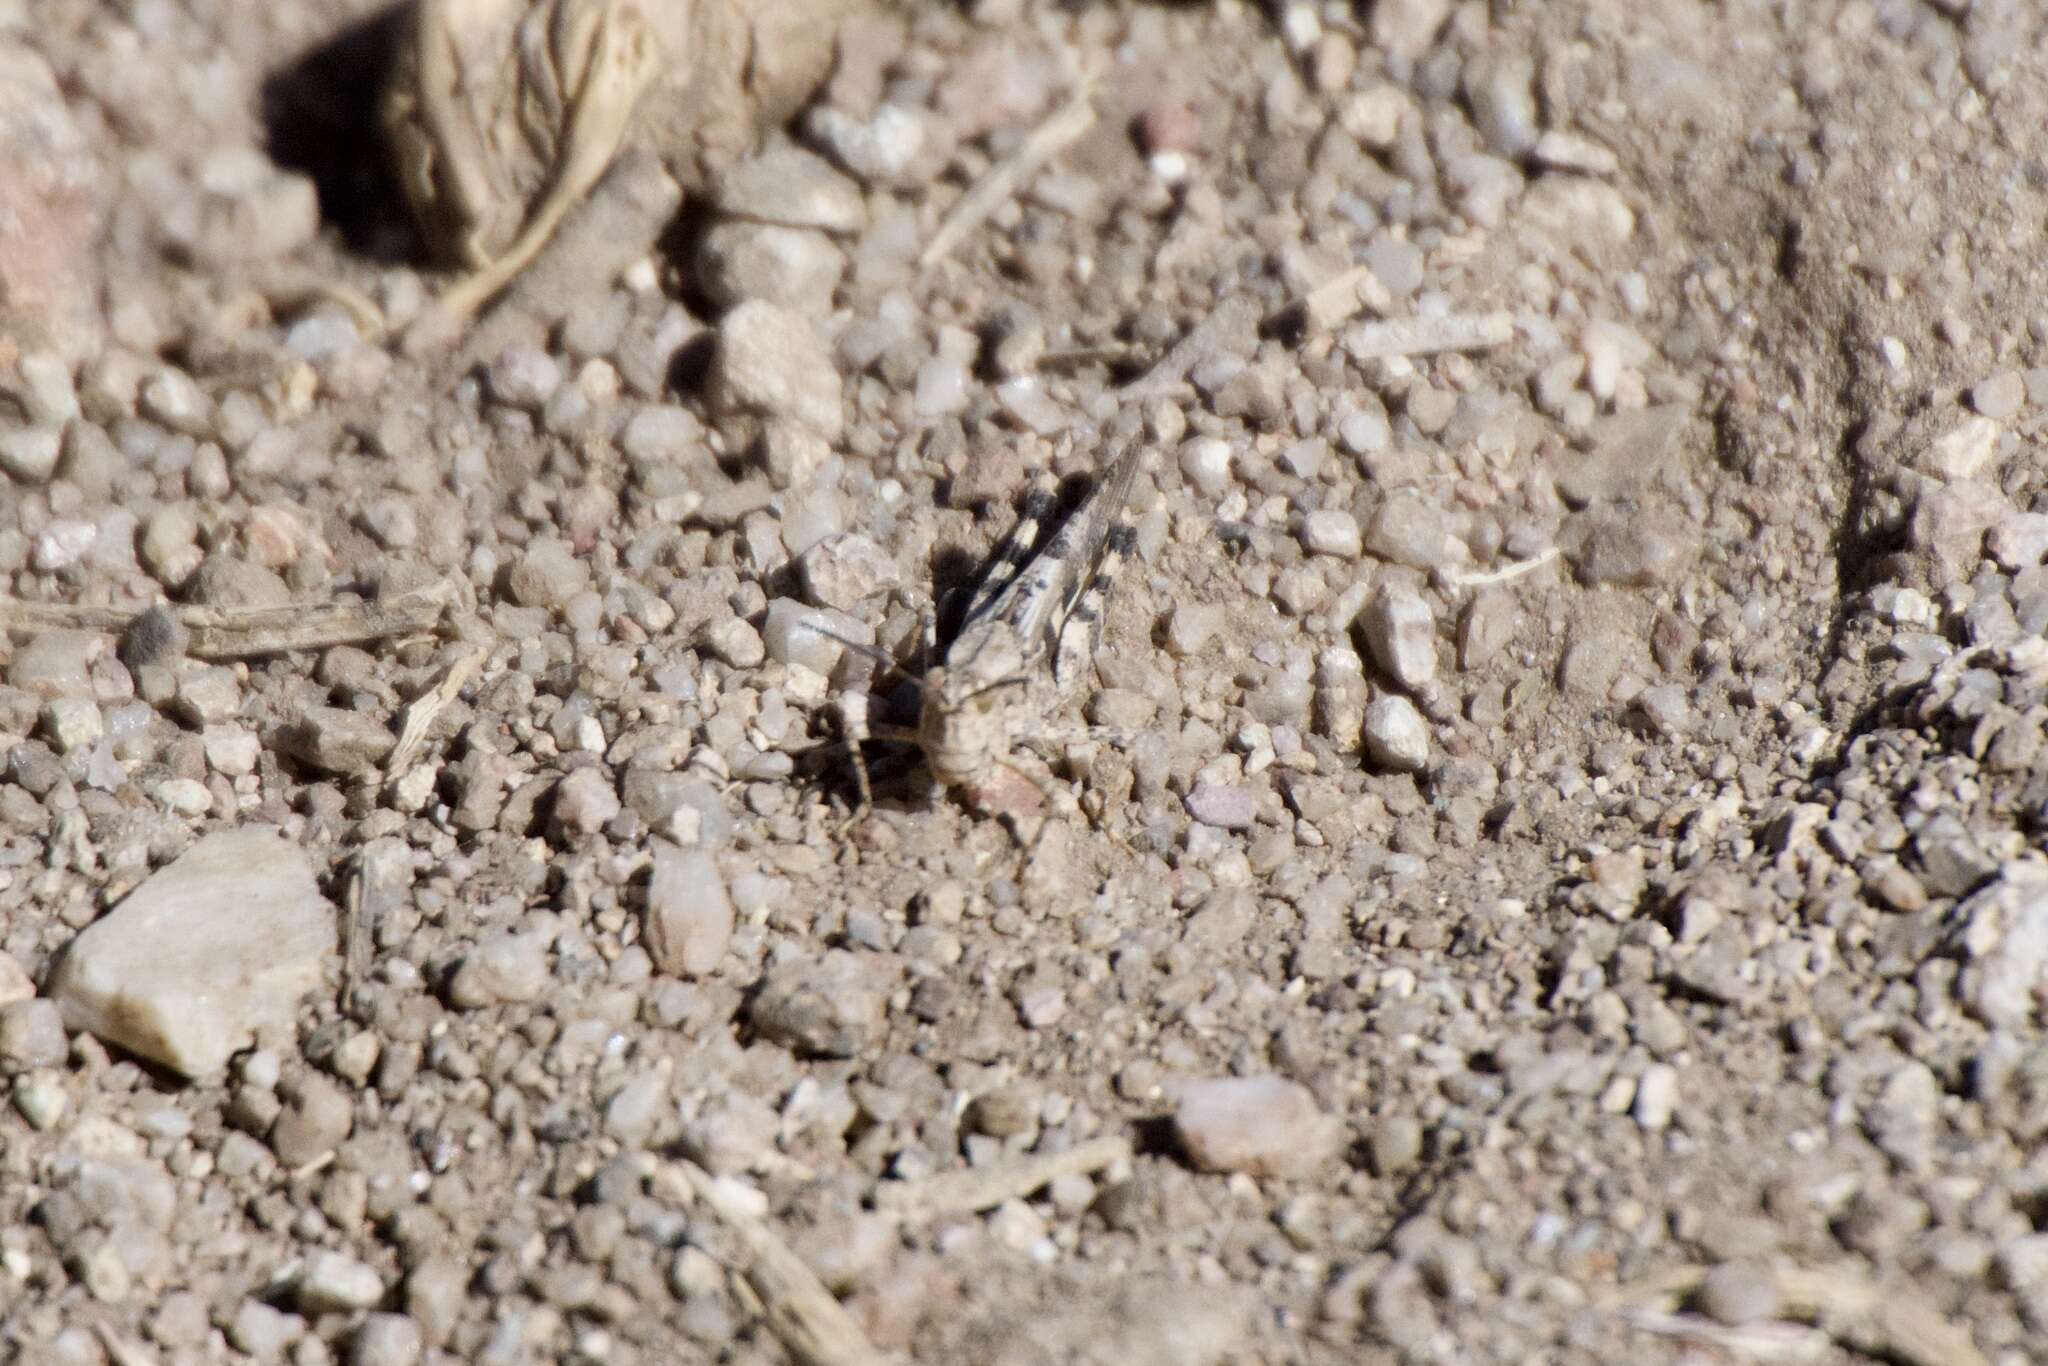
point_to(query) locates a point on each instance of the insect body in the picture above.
(1027, 638)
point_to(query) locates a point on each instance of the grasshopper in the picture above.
(1025, 642)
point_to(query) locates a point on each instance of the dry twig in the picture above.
(1427, 336)
(242, 632)
(1770, 1340)
(372, 892)
(972, 1189)
(1886, 1321)
(1001, 180)
(1475, 579)
(420, 713)
(1236, 315)
(799, 1309)
(1335, 300)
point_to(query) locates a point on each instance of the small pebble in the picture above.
(1656, 1096)
(336, 740)
(1364, 433)
(171, 398)
(877, 149)
(1489, 622)
(1227, 808)
(1964, 450)
(1332, 531)
(1016, 1226)
(941, 388)
(843, 570)
(32, 1035)
(2000, 397)
(828, 1007)
(689, 916)
(524, 376)
(1400, 630)
(315, 1119)
(334, 1283)
(1205, 460)
(501, 968)
(1408, 530)
(386, 1340)
(1396, 736)
(1739, 1292)
(262, 1331)
(789, 185)
(770, 361)
(166, 975)
(548, 574)
(73, 724)
(1265, 1126)
(15, 983)
(793, 633)
(730, 1133)
(40, 1099)
(28, 455)
(735, 641)
(48, 397)
(1192, 625)
(795, 268)
(585, 802)
(1395, 1144)
(663, 434)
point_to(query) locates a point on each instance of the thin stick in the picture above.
(1336, 299)
(973, 1189)
(1766, 1341)
(1882, 1320)
(1001, 180)
(1237, 314)
(798, 1308)
(372, 893)
(358, 924)
(1464, 579)
(1427, 336)
(419, 716)
(241, 632)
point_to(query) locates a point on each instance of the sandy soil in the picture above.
(1554, 869)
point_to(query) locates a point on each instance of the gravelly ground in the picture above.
(1587, 788)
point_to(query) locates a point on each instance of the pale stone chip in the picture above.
(218, 945)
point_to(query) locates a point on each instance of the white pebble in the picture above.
(875, 149)
(1205, 460)
(797, 634)
(29, 454)
(334, 1283)
(941, 388)
(63, 544)
(1656, 1096)
(1400, 629)
(1396, 736)
(1332, 531)
(735, 641)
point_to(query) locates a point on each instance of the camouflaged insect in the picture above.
(1026, 640)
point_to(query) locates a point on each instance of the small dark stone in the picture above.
(153, 637)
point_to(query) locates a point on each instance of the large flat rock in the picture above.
(210, 949)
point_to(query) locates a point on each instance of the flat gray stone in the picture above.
(770, 361)
(1264, 1126)
(794, 187)
(202, 955)
(689, 916)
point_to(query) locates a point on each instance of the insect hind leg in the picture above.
(1080, 635)
(1036, 512)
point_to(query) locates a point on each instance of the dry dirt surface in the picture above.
(1550, 868)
